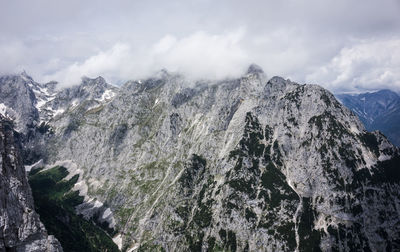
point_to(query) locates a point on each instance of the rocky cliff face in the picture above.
(17, 100)
(245, 164)
(20, 227)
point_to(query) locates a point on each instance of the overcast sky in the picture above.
(343, 45)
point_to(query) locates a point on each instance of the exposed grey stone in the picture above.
(20, 227)
(245, 164)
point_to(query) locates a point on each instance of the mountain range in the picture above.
(170, 164)
(378, 110)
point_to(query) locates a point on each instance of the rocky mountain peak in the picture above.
(277, 80)
(254, 69)
(277, 86)
(91, 88)
(18, 98)
(98, 81)
(25, 76)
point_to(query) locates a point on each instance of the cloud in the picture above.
(340, 44)
(112, 62)
(199, 56)
(202, 55)
(366, 65)
(12, 53)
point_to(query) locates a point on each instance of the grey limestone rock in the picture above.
(239, 164)
(20, 226)
(246, 164)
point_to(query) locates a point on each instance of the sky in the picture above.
(343, 45)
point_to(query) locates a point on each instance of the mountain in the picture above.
(93, 90)
(246, 164)
(53, 200)
(17, 99)
(377, 110)
(20, 227)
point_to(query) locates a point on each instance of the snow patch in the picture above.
(107, 213)
(36, 165)
(40, 103)
(82, 188)
(58, 112)
(74, 103)
(93, 107)
(155, 102)
(118, 241)
(93, 207)
(70, 166)
(8, 113)
(90, 206)
(3, 110)
(133, 248)
(107, 95)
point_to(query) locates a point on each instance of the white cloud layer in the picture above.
(199, 55)
(343, 45)
(371, 64)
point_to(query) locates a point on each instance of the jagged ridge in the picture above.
(241, 164)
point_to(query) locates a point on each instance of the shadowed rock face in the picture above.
(245, 164)
(377, 110)
(20, 227)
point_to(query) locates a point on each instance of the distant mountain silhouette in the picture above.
(377, 110)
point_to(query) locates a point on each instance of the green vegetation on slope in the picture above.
(55, 203)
